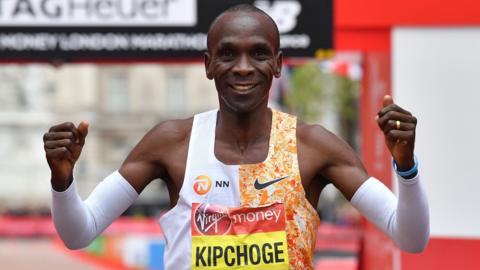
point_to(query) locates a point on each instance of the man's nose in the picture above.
(243, 67)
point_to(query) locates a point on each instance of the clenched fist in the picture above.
(63, 144)
(399, 126)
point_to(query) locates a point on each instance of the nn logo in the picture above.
(203, 184)
(222, 183)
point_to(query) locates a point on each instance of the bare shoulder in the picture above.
(308, 133)
(166, 137)
(318, 143)
(318, 137)
(163, 142)
(170, 131)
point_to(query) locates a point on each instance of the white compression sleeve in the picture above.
(78, 222)
(405, 220)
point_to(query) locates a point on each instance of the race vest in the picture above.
(246, 216)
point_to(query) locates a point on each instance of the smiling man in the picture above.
(243, 180)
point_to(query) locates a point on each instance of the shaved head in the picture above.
(243, 57)
(244, 10)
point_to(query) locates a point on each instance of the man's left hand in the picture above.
(398, 125)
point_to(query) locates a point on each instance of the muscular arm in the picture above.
(406, 219)
(79, 222)
(160, 154)
(323, 155)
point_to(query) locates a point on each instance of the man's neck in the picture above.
(244, 129)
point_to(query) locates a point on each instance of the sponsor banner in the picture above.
(250, 238)
(43, 226)
(98, 12)
(47, 30)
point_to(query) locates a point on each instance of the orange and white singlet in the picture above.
(249, 216)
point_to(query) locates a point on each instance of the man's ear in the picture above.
(206, 60)
(278, 64)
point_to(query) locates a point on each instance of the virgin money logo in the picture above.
(212, 219)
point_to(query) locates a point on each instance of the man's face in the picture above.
(242, 59)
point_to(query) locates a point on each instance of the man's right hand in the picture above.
(63, 144)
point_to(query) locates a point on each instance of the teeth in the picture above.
(243, 87)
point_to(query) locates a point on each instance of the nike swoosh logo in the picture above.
(260, 186)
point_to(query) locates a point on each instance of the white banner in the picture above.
(62, 13)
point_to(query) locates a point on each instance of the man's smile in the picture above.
(243, 87)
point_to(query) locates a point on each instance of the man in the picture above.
(243, 180)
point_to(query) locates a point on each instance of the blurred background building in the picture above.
(121, 103)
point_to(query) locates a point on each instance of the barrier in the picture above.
(137, 243)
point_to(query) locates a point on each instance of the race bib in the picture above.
(246, 238)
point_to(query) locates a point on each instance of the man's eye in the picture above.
(226, 53)
(261, 54)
